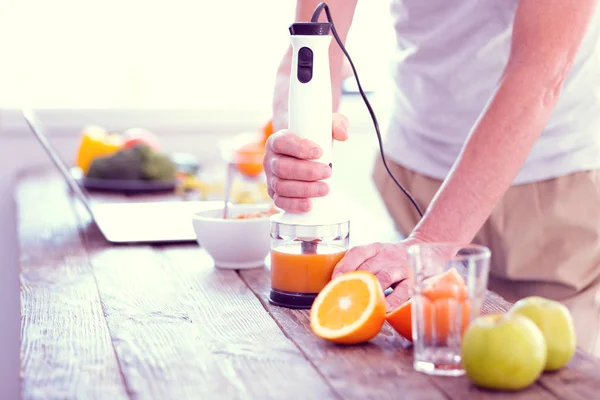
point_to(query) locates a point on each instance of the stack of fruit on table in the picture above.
(499, 351)
(132, 155)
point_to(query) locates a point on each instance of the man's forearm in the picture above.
(492, 156)
(546, 38)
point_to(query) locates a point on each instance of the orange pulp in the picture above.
(293, 271)
(443, 299)
(350, 309)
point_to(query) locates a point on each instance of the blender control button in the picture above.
(305, 56)
(305, 64)
(304, 74)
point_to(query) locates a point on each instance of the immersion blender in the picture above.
(306, 246)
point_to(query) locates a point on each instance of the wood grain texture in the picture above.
(185, 330)
(580, 380)
(461, 388)
(66, 351)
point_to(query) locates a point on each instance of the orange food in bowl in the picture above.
(350, 309)
(444, 297)
(257, 214)
(248, 159)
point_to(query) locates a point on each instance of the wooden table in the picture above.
(159, 322)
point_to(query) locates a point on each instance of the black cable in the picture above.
(317, 13)
(315, 18)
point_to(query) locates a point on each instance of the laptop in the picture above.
(130, 222)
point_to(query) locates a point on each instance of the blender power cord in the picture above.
(315, 18)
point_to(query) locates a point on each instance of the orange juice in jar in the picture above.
(300, 269)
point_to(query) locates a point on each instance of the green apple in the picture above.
(556, 323)
(503, 352)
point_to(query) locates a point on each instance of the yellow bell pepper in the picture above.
(96, 142)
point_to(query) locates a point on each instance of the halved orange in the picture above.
(444, 298)
(350, 309)
(401, 319)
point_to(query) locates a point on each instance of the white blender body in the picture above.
(310, 117)
(324, 230)
(310, 97)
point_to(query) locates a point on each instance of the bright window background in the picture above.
(176, 54)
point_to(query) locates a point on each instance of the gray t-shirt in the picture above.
(450, 56)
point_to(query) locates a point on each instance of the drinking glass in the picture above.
(448, 283)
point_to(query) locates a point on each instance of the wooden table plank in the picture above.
(66, 350)
(581, 380)
(183, 329)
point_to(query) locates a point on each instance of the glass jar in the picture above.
(302, 260)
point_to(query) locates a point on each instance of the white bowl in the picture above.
(234, 243)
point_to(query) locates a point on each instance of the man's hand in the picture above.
(292, 179)
(389, 262)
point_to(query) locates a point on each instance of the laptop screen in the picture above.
(36, 127)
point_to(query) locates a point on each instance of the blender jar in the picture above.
(302, 260)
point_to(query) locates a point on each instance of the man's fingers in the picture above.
(340, 127)
(355, 257)
(400, 294)
(291, 204)
(285, 142)
(298, 189)
(383, 276)
(299, 170)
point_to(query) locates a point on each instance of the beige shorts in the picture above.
(544, 238)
